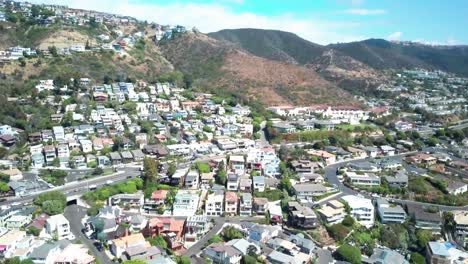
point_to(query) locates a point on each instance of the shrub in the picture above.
(349, 253)
(338, 231)
(417, 258)
(348, 221)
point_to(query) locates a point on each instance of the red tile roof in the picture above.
(159, 194)
(231, 197)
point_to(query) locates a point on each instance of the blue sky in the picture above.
(320, 21)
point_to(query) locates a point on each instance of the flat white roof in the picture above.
(357, 202)
(237, 158)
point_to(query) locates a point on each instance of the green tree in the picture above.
(134, 261)
(182, 260)
(417, 258)
(449, 221)
(230, 233)
(394, 236)
(151, 169)
(207, 129)
(98, 225)
(4, 187)
(53, 207)
(338, 231)
(349, 253)
(33, 231)
(203, 167)
(98, 171)
(102, 237)
(56, 162)
(16, 260)
(267, 217)
(158, 241)
(433, 141)
(423, 237)
(348, 221)
(214, 239)
(221, 175)
(93, 210)
(53, 51)
(285, 185)
(53, 202)
(246, 259)
(172, 169)
(35, 11)
(27, 261)
(22, 62)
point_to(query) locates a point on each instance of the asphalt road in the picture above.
(74, 214)
(262, 141)
(75, 188)
(332, 177)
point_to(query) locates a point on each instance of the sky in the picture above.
(438, 22)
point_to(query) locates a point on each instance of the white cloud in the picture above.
(365, 12)
(395, 36)
(214, 17)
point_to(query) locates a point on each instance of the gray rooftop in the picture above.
(308, 187)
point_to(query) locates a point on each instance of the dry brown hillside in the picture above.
(345, 71)
(221, 65)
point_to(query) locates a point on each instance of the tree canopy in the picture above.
(52, 203)
(349, 253)
(151, 169)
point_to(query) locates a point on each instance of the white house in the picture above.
(388, 150)
(365, 179)
(192, 180)
(259, 183)
(362, 209)
(59, 227)
(457, 187)
(59, 133)
(86, 145)
(214, 205)
(185, 203)
(7, 130)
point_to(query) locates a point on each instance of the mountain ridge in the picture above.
(378, 54)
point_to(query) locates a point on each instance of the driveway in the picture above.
(218, 225)
(74, 214)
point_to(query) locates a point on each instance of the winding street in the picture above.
(332, 177)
